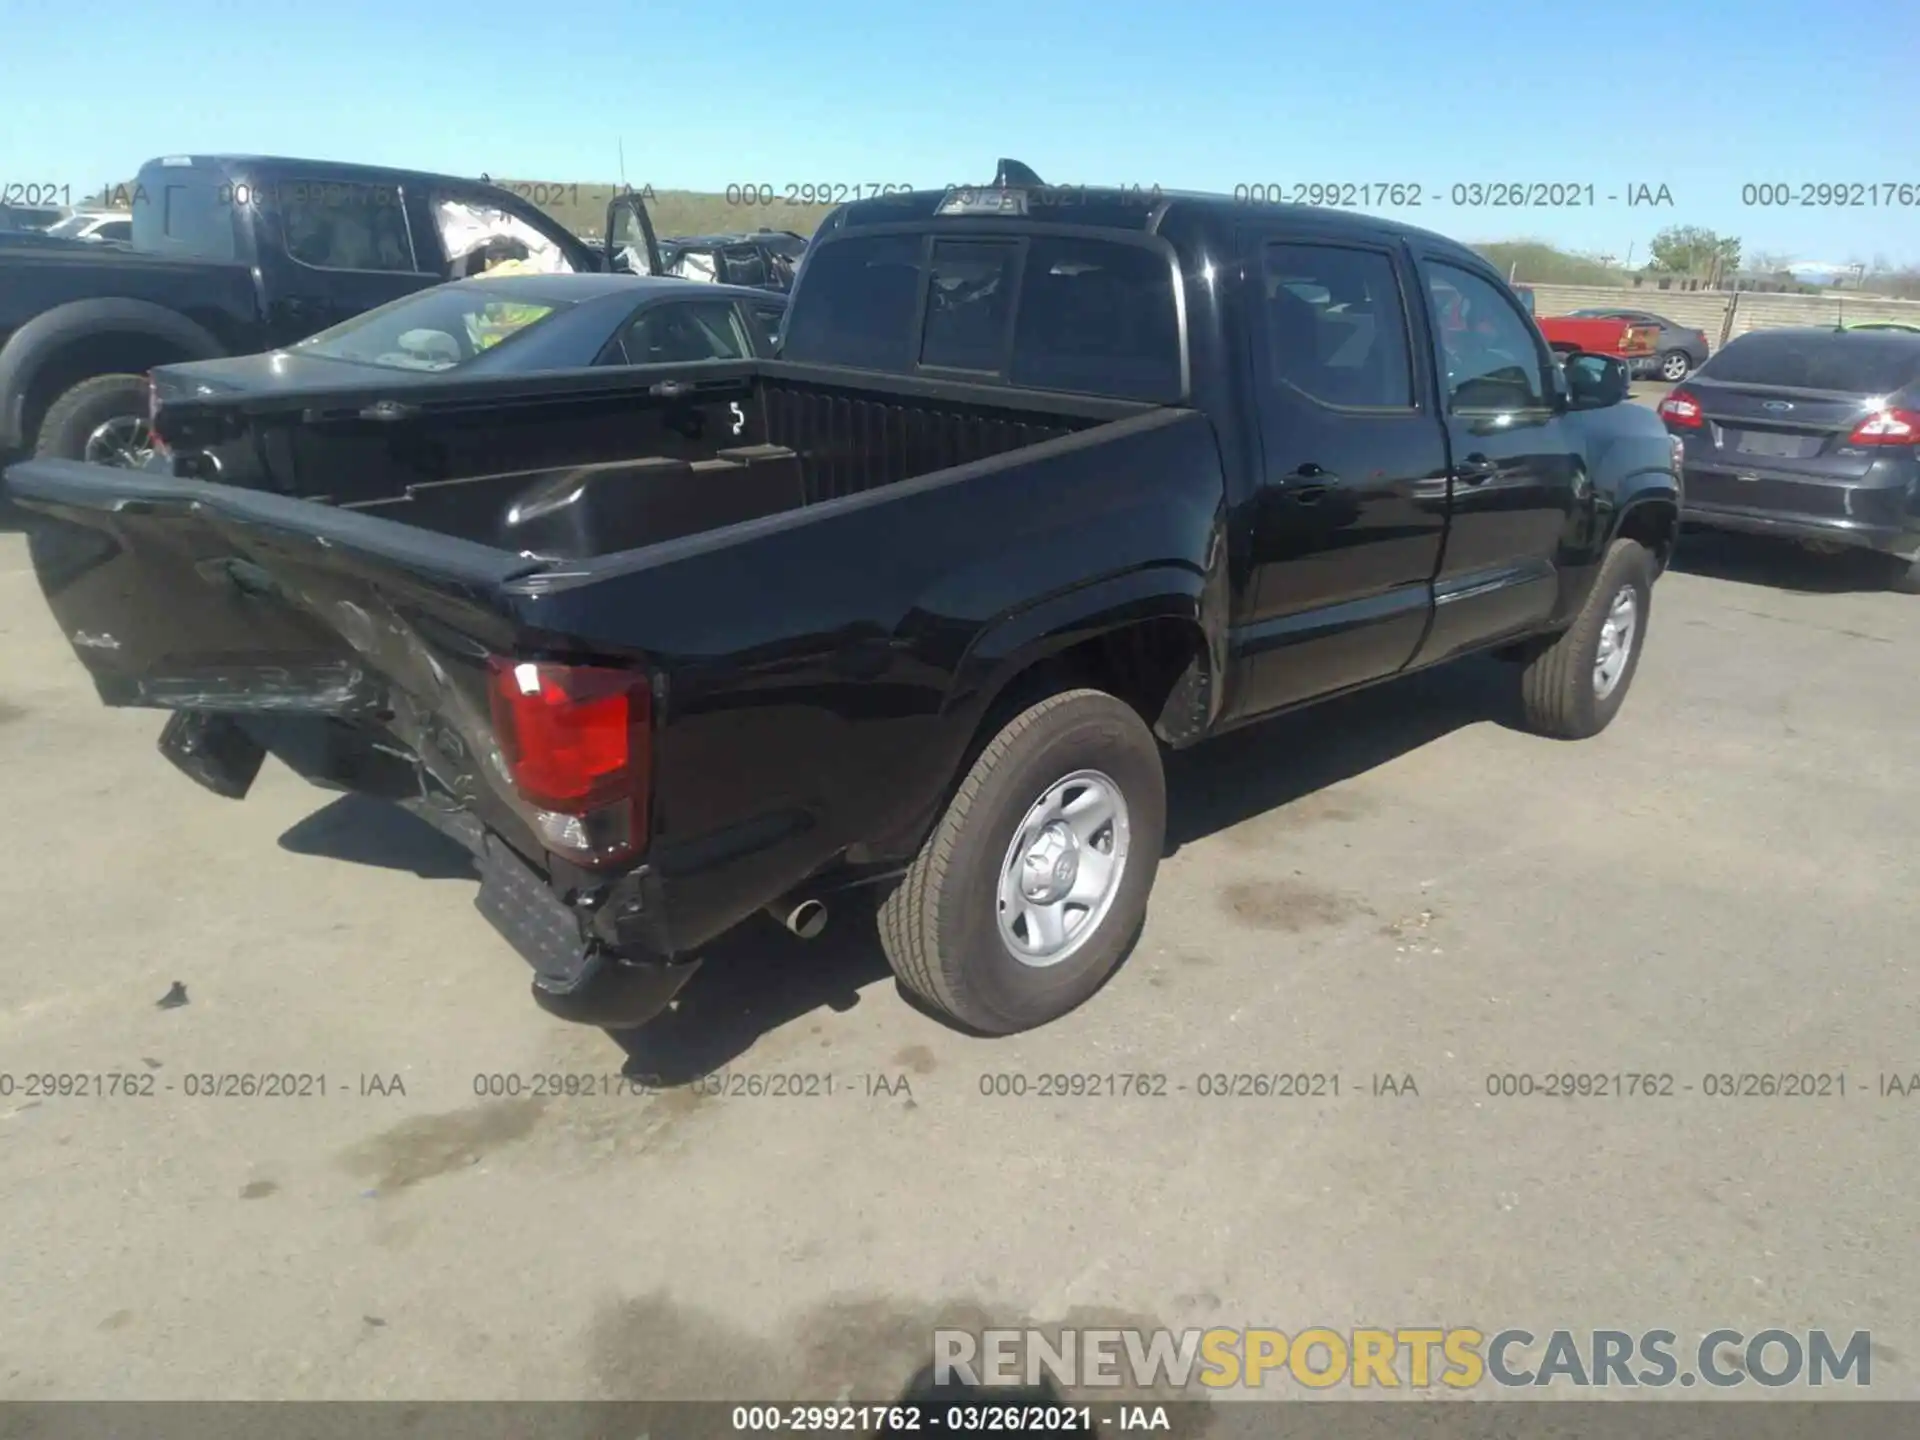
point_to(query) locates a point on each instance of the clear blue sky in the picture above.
(1700, 96)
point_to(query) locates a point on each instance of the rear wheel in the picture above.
(102, 420)
(1674, 365)
(1897, 572)
(1574, 687)
(1034, 883)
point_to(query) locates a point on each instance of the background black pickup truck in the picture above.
(231, 255)
(1045, 479)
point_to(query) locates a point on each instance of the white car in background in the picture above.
(94, 225)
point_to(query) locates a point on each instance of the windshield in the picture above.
(1858, 363)
(439, 329)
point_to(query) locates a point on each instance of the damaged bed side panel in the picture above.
(252, 614)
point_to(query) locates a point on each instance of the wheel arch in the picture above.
(61, 347)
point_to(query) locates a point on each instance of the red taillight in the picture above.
(577, 742)
(1681, 408)
(1888, 427)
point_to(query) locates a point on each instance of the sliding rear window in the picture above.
(1866, 364)
(1050, 312)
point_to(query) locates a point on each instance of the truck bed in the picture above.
(609, 465)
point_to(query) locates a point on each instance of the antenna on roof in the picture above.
(1012, 172)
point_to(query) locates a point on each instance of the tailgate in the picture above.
(181, 595)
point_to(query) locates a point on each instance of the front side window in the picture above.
(478, 239)
(1336, 326)
(345, 225)
(1491, 359)
(439, 329)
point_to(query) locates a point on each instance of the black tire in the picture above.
(1898, 573)
(77, 413)
(940, 928)
(1676, 361)
(1557, 688)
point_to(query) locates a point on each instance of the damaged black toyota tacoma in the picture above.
(1045, 479)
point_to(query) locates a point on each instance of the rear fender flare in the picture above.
(36, 344)
(1028, 637)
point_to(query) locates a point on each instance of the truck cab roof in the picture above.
(338, 171)
(1150, 210)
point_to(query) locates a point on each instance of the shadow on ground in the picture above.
(1777, 564)
(759, 978)
(366, 831)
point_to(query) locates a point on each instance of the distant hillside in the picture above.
(1536, 262)
(582, 208)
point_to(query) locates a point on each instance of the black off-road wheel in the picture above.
(1034, 884)
(1573, 688)
(103, 420)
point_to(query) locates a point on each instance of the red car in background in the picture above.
(1629, 340)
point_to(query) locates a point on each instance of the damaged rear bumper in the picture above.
(578, 973)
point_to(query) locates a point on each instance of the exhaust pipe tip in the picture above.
(807, 919)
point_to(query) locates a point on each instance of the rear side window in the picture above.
(1337, 326)
(345, 226)
(675, 334)
(1860, 364)
(864, 293)
(1097, 318)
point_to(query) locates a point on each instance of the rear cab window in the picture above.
(1854, 363)
(180, 208)
(1080, 314)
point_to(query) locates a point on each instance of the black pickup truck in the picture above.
(231, 255)
(1043, 480)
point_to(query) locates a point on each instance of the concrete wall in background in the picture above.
(1724, 314)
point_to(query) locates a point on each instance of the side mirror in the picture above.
(1595, 381)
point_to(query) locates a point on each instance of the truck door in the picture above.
(330, 249)
(1516, 470)
(1350, 509)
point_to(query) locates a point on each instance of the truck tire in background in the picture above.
(1034, 883)
(87, 416)
(1573, 688)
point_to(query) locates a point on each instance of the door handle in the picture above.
(389, 410)
(1309, 484)
(1476, 470)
